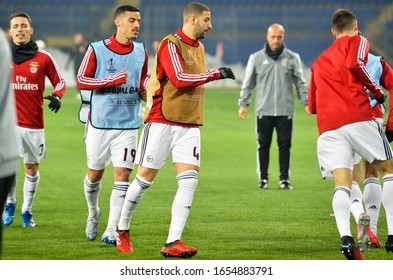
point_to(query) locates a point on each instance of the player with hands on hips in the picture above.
(31, 66)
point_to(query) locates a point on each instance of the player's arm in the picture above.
(356, 63)
(312, 89)
(144, 78)
(55, 77)
(86, 72)
(248, 84)
(299, 81)
(172, 63)
(387, 82)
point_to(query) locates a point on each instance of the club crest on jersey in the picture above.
(33, 67)
(189, 58)
(284, 61)
(111, 66)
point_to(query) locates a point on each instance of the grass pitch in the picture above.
(231, 218)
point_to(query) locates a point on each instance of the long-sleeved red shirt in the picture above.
(338, 77)
(29, 85)
(387, 82)
(86, 79)
(171, 66)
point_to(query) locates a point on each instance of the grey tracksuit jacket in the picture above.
(273, 80)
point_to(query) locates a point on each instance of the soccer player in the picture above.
(273, 71)
(9, 158)
(174, 113)
(112, 78)
(31, 66)
(347, 124)
(382, 73)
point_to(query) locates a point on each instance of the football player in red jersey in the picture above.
(347, 124)
(31, 66)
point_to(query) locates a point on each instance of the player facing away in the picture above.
(174, 113)
(112, 80)
(367, 221)
(31, 66)
(347, 124)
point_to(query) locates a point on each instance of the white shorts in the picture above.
(341, 147)
(159, 140)
(106, 145)
(357, 157)
(31, 144)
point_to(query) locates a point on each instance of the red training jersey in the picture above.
(29, 85)
(87, 69)
(170, 66)
(338, 77)
(387, 82)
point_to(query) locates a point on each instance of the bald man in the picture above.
(273, 71)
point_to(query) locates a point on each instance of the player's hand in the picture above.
(382, 99)
(125, 74)
(226, 73)
(307, 109)
(389, 135)
(55, 102)
(143, 94)
(243, 113)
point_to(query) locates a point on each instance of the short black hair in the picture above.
(343, 20)
(125, 8)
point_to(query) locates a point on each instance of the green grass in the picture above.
(230, 220)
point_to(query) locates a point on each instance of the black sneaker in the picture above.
(285, 185)
(389, 244)
(349, 249)
(263, 184)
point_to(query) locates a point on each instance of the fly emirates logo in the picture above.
(21, 84)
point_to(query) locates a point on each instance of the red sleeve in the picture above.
(312, 95)
(145, 73)
(356, 63)
(387, 82)
(55, 77)
(173, 66)
(86, 80)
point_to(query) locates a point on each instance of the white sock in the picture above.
(92, 192)
(387, 200)
(11, 197)
(116, 203)
(341, 205)
(181, 205)
(372, 197)
(134, 195)
(356, 201)
(29, 190)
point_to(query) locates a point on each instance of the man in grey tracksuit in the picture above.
(273, 71)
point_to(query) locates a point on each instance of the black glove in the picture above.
(389, 135)
(226, 73)
(382, 99)
(55, 102)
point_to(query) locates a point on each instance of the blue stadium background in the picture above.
(239, 24)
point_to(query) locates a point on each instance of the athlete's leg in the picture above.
(386, 168)
(265, 126)
(32, 179)
(341, 199)
(143, 180)
(284, 127)
(372, 195)
(356, 194)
